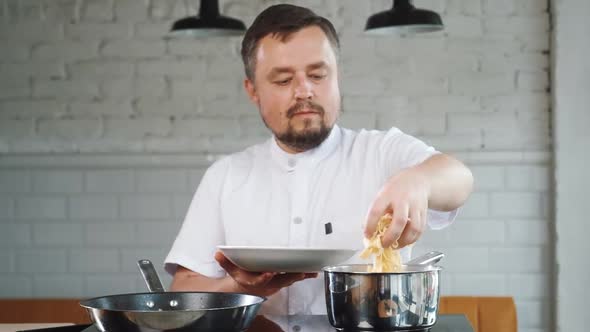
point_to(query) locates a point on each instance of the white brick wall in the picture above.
(103, 54)
(16, 286)
(110, 181)
(104, 126)
(93, 207)
(41, 207)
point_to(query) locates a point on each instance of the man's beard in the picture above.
(308, 138)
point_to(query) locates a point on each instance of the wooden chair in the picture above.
(42, 311)
(486, 314)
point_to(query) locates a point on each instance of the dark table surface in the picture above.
(318, 323)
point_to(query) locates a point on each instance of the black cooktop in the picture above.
(317, 323)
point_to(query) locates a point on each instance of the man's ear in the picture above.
(251, 91)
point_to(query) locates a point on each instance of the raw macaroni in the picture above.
(384, 259)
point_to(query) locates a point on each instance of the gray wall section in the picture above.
(571, 118)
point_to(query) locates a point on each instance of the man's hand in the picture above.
(262, 284)
(405, 195)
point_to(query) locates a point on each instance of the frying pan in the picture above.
(159, 310)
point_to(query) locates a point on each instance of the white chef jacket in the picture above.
(264, 196)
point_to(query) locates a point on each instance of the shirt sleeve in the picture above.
(398, 151)
(202, 230)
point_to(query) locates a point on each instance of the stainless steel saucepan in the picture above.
(177, 311)
(369, 301)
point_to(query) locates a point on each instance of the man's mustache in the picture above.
(306, 104)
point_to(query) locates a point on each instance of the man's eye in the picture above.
(283, 82)
(317, 77)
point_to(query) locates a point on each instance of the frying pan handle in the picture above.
(150, 276)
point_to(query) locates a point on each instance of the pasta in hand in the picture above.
(384, 259)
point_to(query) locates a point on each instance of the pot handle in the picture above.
(429, 258)
(150, 276)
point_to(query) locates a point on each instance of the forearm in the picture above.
(450, 182)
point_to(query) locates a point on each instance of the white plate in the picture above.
(281, 259)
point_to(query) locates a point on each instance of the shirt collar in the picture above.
(290, 161)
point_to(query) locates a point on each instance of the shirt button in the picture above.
(297, 220)
(292, 162)
(296, 328)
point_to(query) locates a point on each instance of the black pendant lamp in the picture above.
(403, 18)
(209, 23)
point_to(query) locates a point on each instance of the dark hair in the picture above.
(282, 21)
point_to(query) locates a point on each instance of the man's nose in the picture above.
(303, 89)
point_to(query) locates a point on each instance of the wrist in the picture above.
(231, 286)
(422, 180)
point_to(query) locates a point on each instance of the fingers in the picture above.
(243, 277)
(413, 229)
(287, 279)
(225, 263)
(398, 223)
(377, 210)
